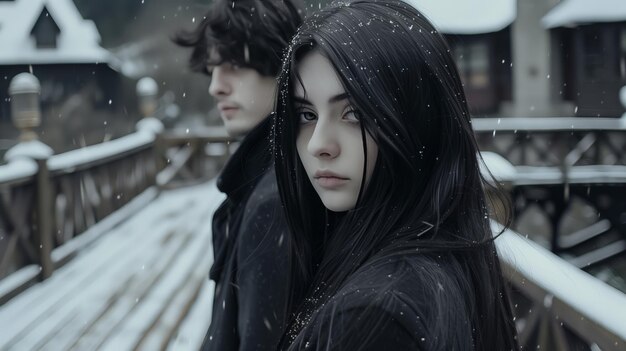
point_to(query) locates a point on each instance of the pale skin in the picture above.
(330, 143)
(244, 96)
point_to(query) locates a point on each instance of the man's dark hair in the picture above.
(248, 33)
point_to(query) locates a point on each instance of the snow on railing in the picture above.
(17, 170)
(562, 297)
(536, 124)
(100, 153)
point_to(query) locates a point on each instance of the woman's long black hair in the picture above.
(426, 193)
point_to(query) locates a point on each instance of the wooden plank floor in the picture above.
(142, 286)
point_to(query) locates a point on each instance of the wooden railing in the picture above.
(192, 156)
(49, 207)
(48, 202)
(557, 306)
(553, 161)
(552, 141)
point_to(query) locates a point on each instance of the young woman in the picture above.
(378, 171)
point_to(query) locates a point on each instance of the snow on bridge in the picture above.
(143, 286)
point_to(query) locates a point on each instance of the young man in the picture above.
(240, 45)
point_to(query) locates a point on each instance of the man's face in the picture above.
(244, 96)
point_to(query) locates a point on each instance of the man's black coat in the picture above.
(250, 250)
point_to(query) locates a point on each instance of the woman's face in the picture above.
(329, 142)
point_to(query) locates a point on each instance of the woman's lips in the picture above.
(331, 182)
(327, 179)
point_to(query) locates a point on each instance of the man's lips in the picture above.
(227, 110)
(226, 105)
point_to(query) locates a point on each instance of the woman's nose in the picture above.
(323, 142)
(220, 83)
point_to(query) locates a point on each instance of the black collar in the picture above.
(249, 163)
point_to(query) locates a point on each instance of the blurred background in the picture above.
(516, 59)
(89, 55)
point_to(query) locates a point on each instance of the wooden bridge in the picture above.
(142, 286)
(108, 247)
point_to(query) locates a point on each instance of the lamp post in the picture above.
(147, 91)
(25, 111)
(24, 90)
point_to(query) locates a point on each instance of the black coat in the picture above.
(250, 250)
(400, 303)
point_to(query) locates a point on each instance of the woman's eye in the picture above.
(352, 116)
(306, 116)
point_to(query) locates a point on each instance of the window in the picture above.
(593, 52)
(479, 65)
(472, 59)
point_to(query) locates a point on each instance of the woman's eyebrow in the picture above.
(339, 97)
(334, 99)
(302, 100)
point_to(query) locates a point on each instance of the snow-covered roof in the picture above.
(78, 40)
(571, 13)
(468, 16)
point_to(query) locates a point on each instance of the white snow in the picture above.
(467, 16)
(587, 174)
(24, 152)
(530, 124)
(132, 283)
(150, 125)
(147, 86)
(571, 13)
(500, 168)
(24, 83)
(74, 158)
(105, 225)
(589, 296)
(19, 278)
(17, 169)
(33, 149)
(194, 327)
(78, 40)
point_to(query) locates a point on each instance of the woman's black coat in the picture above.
(406, 302)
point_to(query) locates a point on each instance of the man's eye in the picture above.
(306, 116)
(209, 69)
(352, 116)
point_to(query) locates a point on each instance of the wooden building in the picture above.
(536, 57)
(590, 43)
(51, 39)
(479, 35)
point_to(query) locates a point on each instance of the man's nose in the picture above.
(220, 83)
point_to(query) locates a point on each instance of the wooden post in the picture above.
(44, 218)
(24, 90)
(160, 147)
(147, 92)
